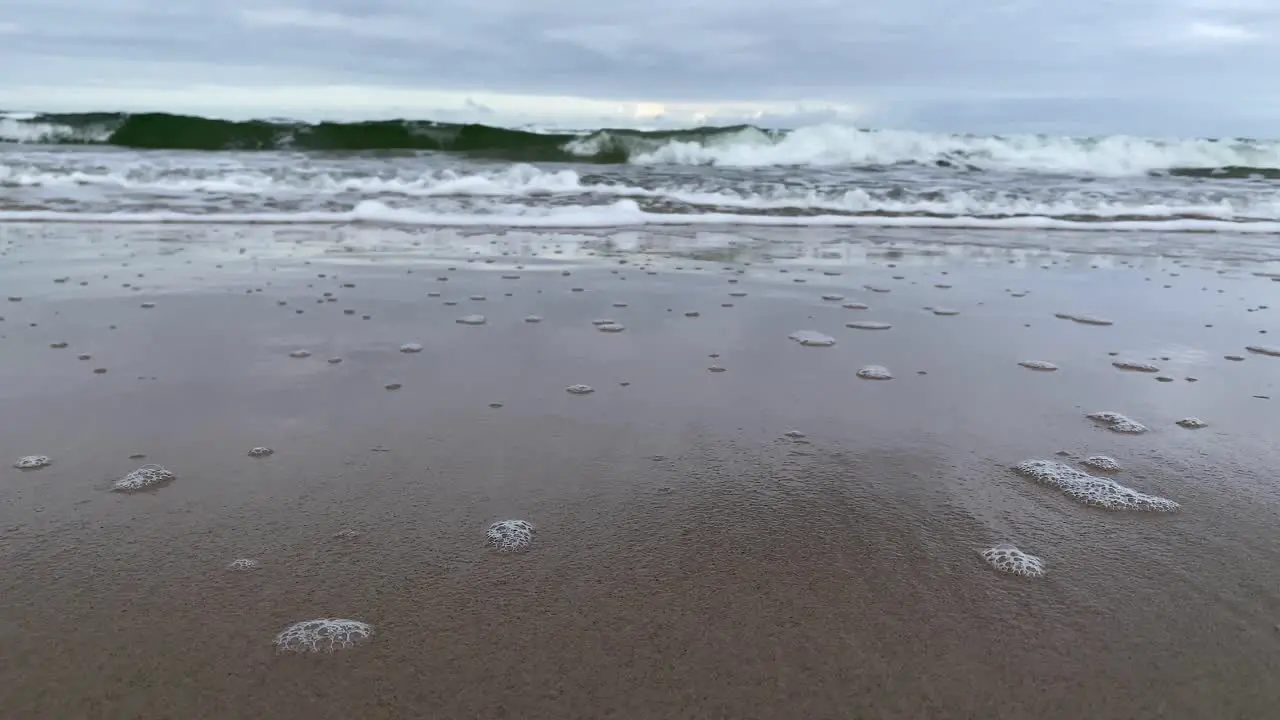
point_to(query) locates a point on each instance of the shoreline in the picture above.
(690, 558)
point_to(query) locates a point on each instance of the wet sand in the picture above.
(690, 560)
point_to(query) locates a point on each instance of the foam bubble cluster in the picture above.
(1102, 462)
(1135, 366)
(144, 478)
(875, 372)
(1090, 490)
(812, 338)
(1041, 365)
(1116, 422)
(1009, 559)
(33, 462)
(510, 535)
(325, 635)
(244, 564)
(579, 389)
(261, 452)
(472, 320)
(1193, 423)
(411, 348)
(868, 325)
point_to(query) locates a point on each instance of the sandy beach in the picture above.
(731, 525)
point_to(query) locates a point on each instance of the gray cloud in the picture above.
(1157, 66)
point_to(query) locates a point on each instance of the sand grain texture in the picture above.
(690, 559)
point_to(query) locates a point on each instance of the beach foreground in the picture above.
(732, 524)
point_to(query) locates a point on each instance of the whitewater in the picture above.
(104, 167)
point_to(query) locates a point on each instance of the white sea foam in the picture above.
(1116, 422)
(1009, 559)
(1090, 490)
(526, 181)
(627, 212)
(144, 478)
(1105, 463)
(1136, 366)
(812, 338)
(875, 372)
(33, 462)
(510, 535)
(324, 635)
(829, 144)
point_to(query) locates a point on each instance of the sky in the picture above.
(1086, 67)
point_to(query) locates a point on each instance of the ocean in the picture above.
(144, 168)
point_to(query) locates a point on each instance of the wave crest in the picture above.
(734, 146)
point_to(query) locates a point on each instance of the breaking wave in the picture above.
(735, 146)
(129, 189)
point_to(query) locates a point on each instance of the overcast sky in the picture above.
(1186, 67)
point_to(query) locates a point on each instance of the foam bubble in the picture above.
(812, 338)
(868, 325)
(144, 478)
(261, 452)
(324, 635)
(33, 462)
(1264, 350)
(244, 564)
(580, 389)
(854, 306)
(833, 297)
(1009, 559)
(1104, 463)
(510, 535)
(300, 354)
(1041, 365)
(1136, 366)
(945, 311)
(411, 348)
(611, 327)
(533, 318)
(1193, 423)
(1090, 490)
(472, 320)
(875, 372)
(1118, 423)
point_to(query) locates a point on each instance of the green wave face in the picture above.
(1206, 158)
(163, 131)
